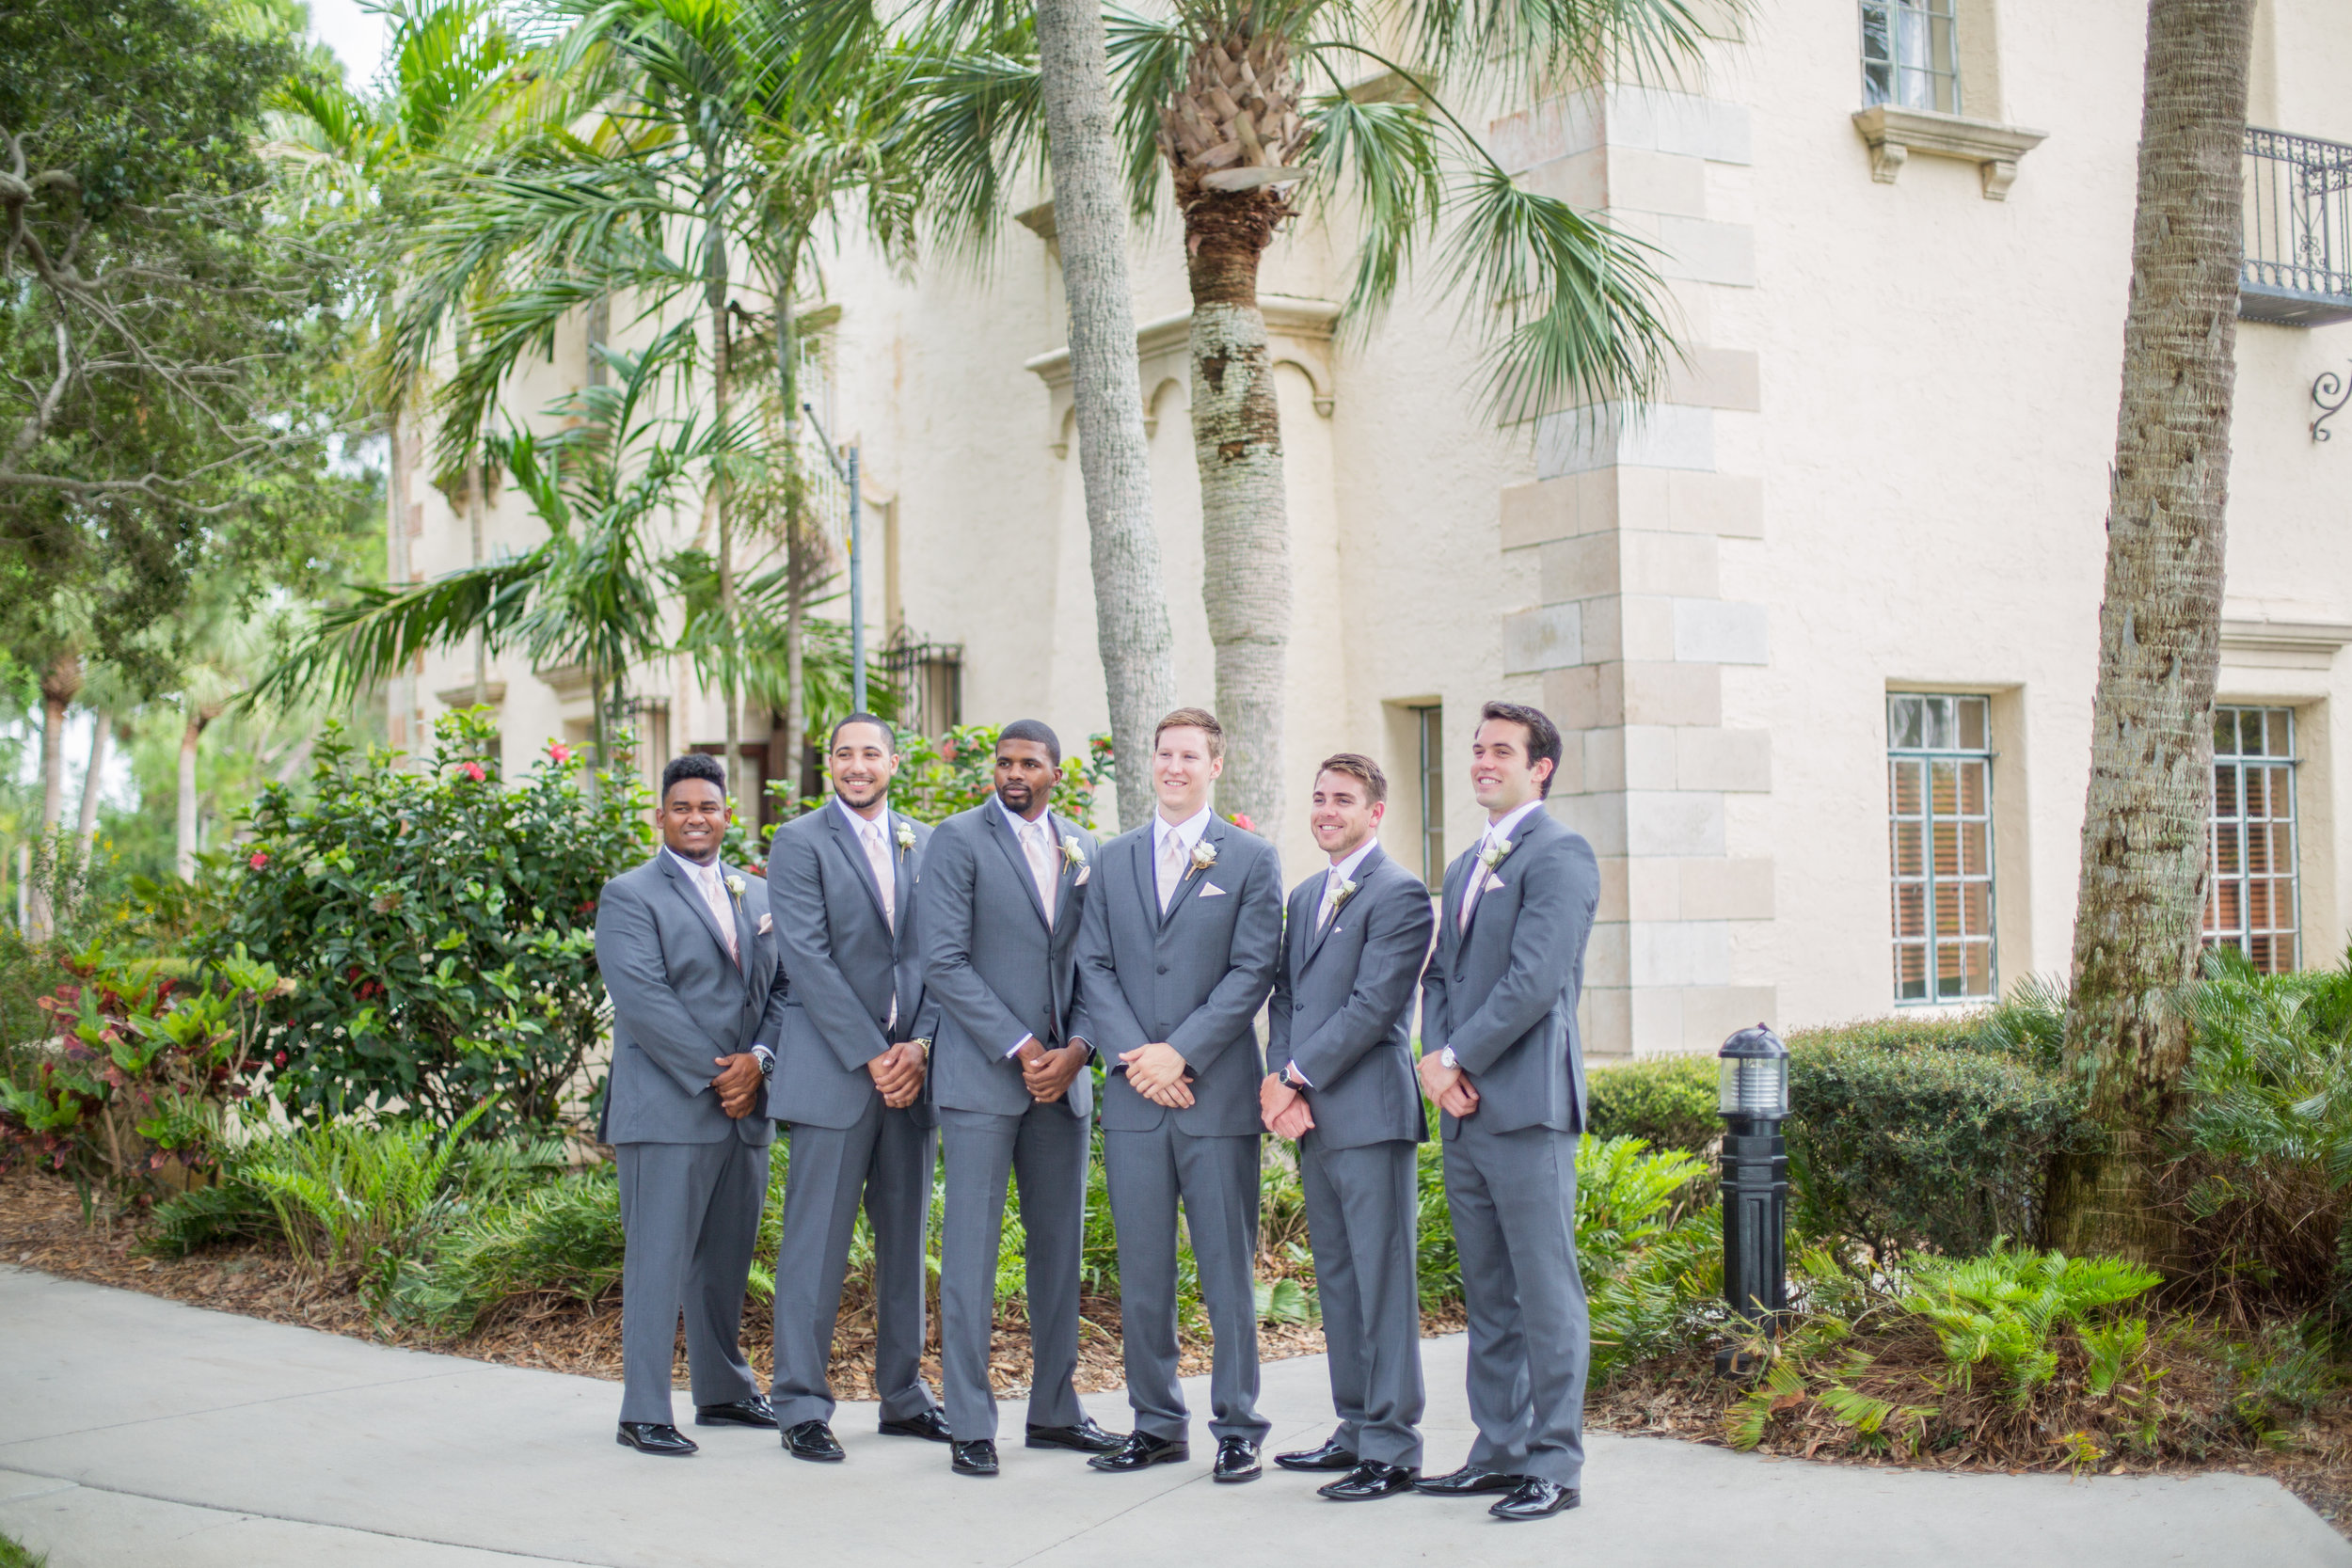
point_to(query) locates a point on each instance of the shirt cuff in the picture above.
(1445, 1058)
(1298, 1079)
(1017, 1045)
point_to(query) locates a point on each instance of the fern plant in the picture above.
(355, 1199)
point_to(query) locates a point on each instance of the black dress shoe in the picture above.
(931, 1424)
(1368, 1480)
(753, 1412)
(1086, 1437)
(1466, 1482)
(1236, 1460)
(1139, 1450)
(813, 1440)
(656, 1438)
(1331, 1456)
(975, 1458)
(1535, 1499)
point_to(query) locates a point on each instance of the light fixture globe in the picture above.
(1755, 1079)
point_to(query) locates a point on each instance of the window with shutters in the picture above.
(1939, 785)
(2250, 901)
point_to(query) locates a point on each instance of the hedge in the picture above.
(1667, 1100)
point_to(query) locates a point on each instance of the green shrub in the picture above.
(1910, 1132)
(228, 1209)
(1999, 1310)
(1668, 1101)
(562, 1239)
(356, 1199)
(442, 927)
(14, 1555)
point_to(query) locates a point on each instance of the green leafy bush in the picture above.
(355, 1200)
(1914, 1132)
(142, 1056)
(1668, 1101)
(561, 1239)
(1999, 1310)
(442, 927)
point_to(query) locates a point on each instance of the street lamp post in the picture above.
(1753, 1102)
(848, 474)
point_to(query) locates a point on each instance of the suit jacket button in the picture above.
(1163, 969)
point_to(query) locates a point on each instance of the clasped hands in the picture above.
(1047, 1075)
(1284, 1109)
(897, 1073)
(737, 1083)
(1450, 1086)
(1157, 1074)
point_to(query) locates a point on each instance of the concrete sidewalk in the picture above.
(138, 1430)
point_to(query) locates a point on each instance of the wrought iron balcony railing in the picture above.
(2298, 230)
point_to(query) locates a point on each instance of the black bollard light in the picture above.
(1753, 1102)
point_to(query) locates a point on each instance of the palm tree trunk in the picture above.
(190, 733)
(1245, 526)
(2142, 891)
(59, 685)
(797, 567)
(1090, 213)
(715, 301)
(86, 829)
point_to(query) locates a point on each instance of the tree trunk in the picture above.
(59, 685)
(190, 733)
(86, 829)
(715, 301)
(1090, 213)
(399, 691)
(798, 548)
(1245, 526)
(2143, 851)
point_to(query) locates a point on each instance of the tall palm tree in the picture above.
(2142, 894)
(1262, 110)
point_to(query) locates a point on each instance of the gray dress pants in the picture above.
(690, 1216)
(1361, 1207)
(1216, 1179)
(1513, 1197)
(884, 1160)
(1045, 1148)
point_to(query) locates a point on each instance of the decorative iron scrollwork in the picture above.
(2329, 387)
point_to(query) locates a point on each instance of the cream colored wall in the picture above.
(1921, 384)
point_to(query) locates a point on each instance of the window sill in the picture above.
(1895, 134)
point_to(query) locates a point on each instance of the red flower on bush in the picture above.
(558, 752)
(261, 859)
(279, 1059)
(1241, 819)
(471, 770)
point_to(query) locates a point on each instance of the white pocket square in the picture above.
(1493, 882)
(1210, 889)
(1084, 872)
(767, 923)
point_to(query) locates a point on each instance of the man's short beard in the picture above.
(879, 790)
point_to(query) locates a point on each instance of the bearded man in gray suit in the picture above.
(856, 1037)
(1004, 887)
(1340, 1048)
(1184, 928)
(686, 949)
(1501, 1057)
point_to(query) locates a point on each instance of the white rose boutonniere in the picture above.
(1203, 855)
(735, 886)
(1073, 853)
(906, 839)
(1493, 854)
(1338, 900)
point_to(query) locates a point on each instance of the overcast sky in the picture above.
(355, 33)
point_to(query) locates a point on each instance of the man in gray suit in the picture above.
(1499, 1055)
(1340, 1049)
(686, 949)
(1184, 928)
(1005, 886)
(849, 1088)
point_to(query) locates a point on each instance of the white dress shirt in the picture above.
(1496, 832)
(1186, 834)
(1342, 870)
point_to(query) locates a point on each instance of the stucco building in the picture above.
(1821, 623)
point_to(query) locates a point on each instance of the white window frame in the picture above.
(1954, 738)
(2235, 860)
(1919, 68)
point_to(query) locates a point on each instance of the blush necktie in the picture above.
(885, 879)
(713, 882)
(1480, 871)
(1036, 843)
(1330, 898)
(1172, 867)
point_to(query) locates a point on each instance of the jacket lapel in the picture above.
(1002, 832)
(1067, 878)
(1147, 879)
(859, 867)
(1194, 870)
(901, 874)
(695, 901)
(1363, 874)
(1449, 935)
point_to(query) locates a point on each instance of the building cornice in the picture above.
(1298, 333)
(1894, 134)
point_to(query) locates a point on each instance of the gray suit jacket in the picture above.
(1344, 1004)
(678, 1002)
(845, 965)
(1504, 996)
(1194, 981)
(991, 966)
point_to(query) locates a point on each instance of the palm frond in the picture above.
(1384, 156)
(977, 126)
(1561, 45)
(351, 648)
(1148, 57)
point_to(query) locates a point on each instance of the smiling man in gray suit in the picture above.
(1183, 927)
(1005, 886)
(686, 949)
(849, 1088)
(1499, 1055)
(1340, 1048)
